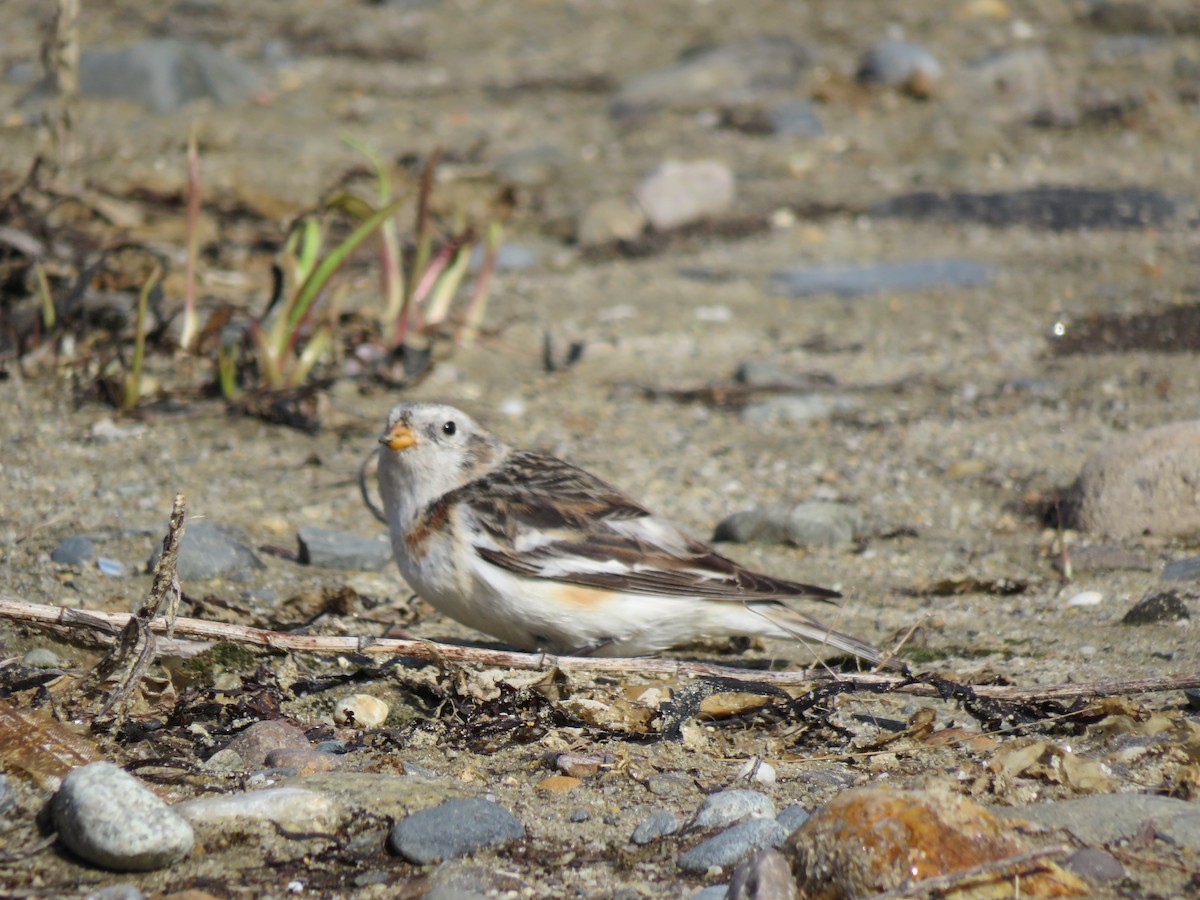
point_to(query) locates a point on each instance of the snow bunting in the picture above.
(546, 556)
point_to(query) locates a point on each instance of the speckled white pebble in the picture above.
(1086, 598)
(757, 770)
(361, 710)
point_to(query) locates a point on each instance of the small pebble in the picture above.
(728, 847)
(106, 816)
(117, 892)
(757, 770)
(1187, 569)
(41, 658)
(855, 279)
(1086, 598)
(341, 550)
(113, 568)
(902, 64)
(1161, 606)
(360, 711)
(254, 743)
(656, 825)
(679, 193)
(302, 762)
(764, 875)
(1095, 865)
(580, 815)
(76, 550)
(726, 807)
(452, 829)
(292, 809)
(792, 817)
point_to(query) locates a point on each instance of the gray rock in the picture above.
(210, 550)
(766, 875)
(731, 845)
(669, 784)
(1187, 569)
(163, 75)
(608, 220)
(854, 279)
(899, 63)
(452, 829)
(1095, 865)
(41, 658)
(727, 807)
(680, 193)
(797, 408)
(580, 815)
(292, 809)
(76, 550)
(106, 816)
(792, 817)
(1144, 483)
(341, 550)
(723, 76)
(1109, 818)
(713, 892)
(814, 523)
(657, 825)
(1159, 606)
(796, 118)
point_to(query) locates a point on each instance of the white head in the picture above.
(429, 449)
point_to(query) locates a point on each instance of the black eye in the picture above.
(449, 428)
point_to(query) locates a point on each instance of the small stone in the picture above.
(792, 817)
(117, 892)
(76, 550)
(669, 784)
(302, 762)
(765, 875)
(254, 743)
(292, 809)
(558, 783)
(1187, 569)
(609, 220)
(757, 770)
(721, 76)
(728, 847)
(794, 408)
(41, 658)
(1161, 606)
(452, 829)
(1086, 598)
(713, 892)
(1143, 483)
(727, 807)
(855, 279)
(360, 711)
(342, 550)
(679, 193)
(901, 64)
(761, 373)
(1095, 865)
(113, 568)
(106, 816)
(211, 550)
(796, 118)
(812, 524)
(579, 766)
(580, 815)
(655, 826)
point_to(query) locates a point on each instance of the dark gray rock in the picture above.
(855, 279)
(211, 550)
(815, 523)
(657, 825)
(722, 76)
(727, 807)
(1187, 569)
(76, 550)
(452, 829)
(341, 550)
(765, 875)
(163, 75)
(106, 816)
(898, 63)
(580, 815)
(792, 817)
(731, 845)
(1160, 606)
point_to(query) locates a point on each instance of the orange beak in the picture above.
(399, 436)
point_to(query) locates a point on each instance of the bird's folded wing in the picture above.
(541, 517)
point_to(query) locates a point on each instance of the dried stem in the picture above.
(60, 56)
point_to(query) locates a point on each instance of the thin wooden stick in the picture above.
(653, 666)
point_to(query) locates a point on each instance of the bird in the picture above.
(546, 556)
